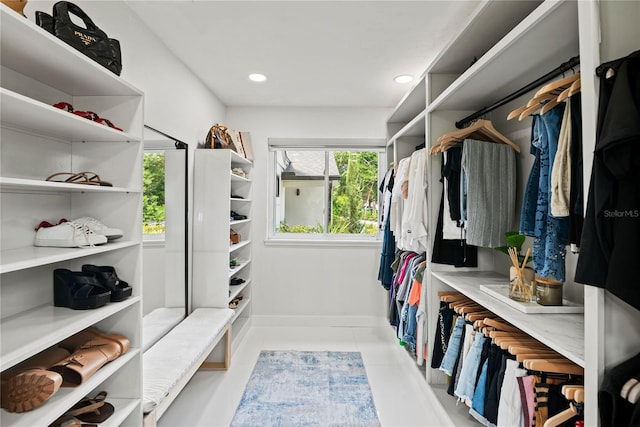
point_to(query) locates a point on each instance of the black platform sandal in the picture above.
(78, 290)
(107, 277)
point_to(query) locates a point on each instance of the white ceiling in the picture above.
(314, 53)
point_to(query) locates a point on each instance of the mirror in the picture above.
(165, 223)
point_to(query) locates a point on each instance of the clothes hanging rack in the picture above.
(564, 67)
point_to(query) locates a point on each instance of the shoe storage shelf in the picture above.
(38, 140)
(222, 201)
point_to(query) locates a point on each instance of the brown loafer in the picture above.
(90, 357)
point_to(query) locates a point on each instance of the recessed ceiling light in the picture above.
(404, 78)
(256, 77)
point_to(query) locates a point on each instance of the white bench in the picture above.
(171, 362)
(158, 323)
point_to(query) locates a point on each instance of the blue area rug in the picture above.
(307, 388)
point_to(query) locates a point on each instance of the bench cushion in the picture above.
(169, 360)
(156, 324)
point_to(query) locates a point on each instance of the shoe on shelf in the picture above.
(235, 216)
(88, 410)
(236, 281)
(108, 279)
(91, 356)
(30, 384)
(78, 290)
(98, 227)
(234, 237)
(69, 234)
(239, 172)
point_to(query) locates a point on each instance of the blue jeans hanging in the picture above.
(551, 234)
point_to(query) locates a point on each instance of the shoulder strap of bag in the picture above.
(61, 12)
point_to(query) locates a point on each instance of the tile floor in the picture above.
(402, 397)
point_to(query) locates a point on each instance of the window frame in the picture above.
(326, 145)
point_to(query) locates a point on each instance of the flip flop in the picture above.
(88, 410)
(86, 178)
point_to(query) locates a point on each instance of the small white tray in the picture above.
(501, 292)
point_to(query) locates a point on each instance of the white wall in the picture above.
(304, 202)
(176, 102)
(329, 284)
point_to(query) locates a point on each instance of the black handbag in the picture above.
(91, 41)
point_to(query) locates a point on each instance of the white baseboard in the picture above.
(322, 321)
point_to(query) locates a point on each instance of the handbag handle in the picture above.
(63, 8)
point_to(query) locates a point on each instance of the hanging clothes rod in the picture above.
(566, 66)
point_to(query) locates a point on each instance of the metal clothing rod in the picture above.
(566, 66)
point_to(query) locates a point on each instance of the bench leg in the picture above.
(221, 366)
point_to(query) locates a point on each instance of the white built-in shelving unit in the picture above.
(214, 184)
(504, 46)
(38, 140)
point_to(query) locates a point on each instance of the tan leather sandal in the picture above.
(29, 384)
(90, 357)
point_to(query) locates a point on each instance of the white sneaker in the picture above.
(99, 228)
(68, 235)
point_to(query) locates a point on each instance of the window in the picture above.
(153, 210)
(325, 191)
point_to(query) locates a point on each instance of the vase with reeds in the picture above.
(522, 284)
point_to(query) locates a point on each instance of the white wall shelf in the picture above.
(18, 111)
(36, 185)
(416, 127)
(562, 332)
(38, 69)
(238, 160)
(238, 178)
(212, 251)
(32, 331)
(411, 103)
(236, 290)
(240, 221)
(475, 37)
(510, 64)
(31, 51)
(32, 256)
(234, 271)
(66, 397)
(235, 247)
(123, 408)
(242, 306)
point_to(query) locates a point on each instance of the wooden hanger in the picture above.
(500, 325)
(535, 355)
(523, 349)
(507, 334)
(553, 92)
(570, 91)
(481, 130)
(562, 417)
(569, 392)
(444, 146)
(560, 366)
(576, 395)
(472, 317)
